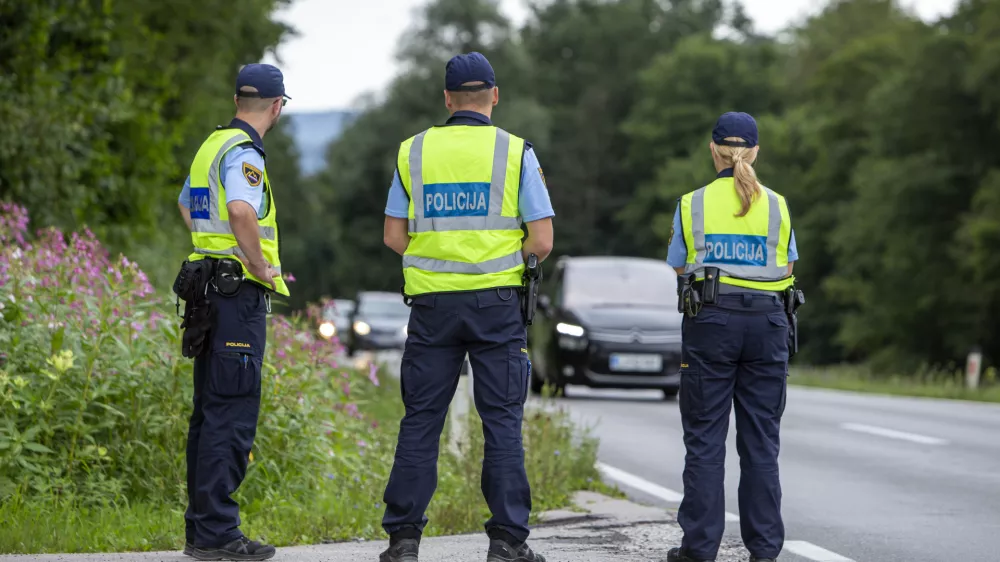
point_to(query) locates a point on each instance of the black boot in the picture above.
(240, 549)
(503, 551)
(188, 548)
(675, 555)
(401, 550)
(755, 559)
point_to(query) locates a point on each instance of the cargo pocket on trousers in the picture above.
(690, 395)
(784, 397)
(235, 374)
(405, 370)
(777, 347)
(252, 305)
(517, 375)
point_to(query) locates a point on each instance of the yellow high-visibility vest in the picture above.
(464, 225)
(211, 234)
(750, 251)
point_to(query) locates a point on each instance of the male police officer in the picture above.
(454, 213)
(228, 205)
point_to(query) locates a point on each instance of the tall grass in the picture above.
(926, 382)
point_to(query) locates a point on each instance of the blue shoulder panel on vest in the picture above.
(200, 203)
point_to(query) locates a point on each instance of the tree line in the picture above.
(104, 103)
(878, 127)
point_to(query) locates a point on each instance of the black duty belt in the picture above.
(726, 289)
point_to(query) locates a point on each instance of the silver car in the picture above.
(378, 322)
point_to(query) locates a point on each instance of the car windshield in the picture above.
(632, 283)
(383, 307)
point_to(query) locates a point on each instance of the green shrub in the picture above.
(94, 406)
(95, 396)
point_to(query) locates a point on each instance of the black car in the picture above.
(378, 322)
(607, 322)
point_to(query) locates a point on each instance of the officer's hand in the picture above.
(271, 274)
(261, 270)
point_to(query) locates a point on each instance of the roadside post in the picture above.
(973, 367)
(458, 412)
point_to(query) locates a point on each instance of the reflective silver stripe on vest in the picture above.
(234, 251)
(465, 223)
(417, 174)
(214, 224)
(495, 265)
(770, 272)
(203, 226)
(498, 179)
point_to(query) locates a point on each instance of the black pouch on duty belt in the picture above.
(191, 285)
(229, 277)
(192, 279)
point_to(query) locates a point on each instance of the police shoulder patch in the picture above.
(542, 174)
(252, 174)
(671, 237)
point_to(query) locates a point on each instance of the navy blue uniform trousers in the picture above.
(735, 353)
(224, 422)
(442, 329)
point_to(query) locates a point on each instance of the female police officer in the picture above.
(733, 239)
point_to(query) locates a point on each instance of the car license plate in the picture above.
(645, 363)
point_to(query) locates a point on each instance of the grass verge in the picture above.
(927, 384)
(95, 401)
(559, 457)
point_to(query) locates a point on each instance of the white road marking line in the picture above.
(893, 434)
(643, 485)
(813, 552)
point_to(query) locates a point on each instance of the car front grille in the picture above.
(635, 336)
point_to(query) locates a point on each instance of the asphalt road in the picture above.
(865, 478)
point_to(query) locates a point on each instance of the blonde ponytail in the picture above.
(744, 176)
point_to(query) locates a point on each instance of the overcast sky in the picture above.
(347, 47)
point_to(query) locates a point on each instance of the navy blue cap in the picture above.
(739, 125)
(472, 67)
(267, 79)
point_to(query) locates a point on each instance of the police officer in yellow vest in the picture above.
(733, 246)
(228, 204)
(454, 213)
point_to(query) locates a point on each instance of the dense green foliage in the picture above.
(104, 102)
(878, 127)
(94, 407)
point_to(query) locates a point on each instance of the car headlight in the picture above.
(327, 330)
(571, 336)
(570, 330)
(362, 328)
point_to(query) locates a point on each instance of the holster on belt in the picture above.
(191, 286)
(530, 280)
(793, 299)
(688, 296)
